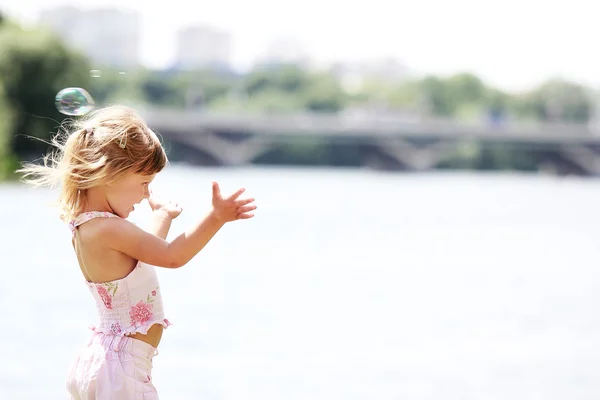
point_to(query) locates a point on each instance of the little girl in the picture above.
(103, 169)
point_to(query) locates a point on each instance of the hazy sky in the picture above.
(510, 43)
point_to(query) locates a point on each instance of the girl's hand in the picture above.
(231, 208)
(158, 204)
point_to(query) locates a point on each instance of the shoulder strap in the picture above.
(86, 216)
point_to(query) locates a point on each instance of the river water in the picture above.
(348, 284)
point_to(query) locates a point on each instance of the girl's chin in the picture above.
(127, 212)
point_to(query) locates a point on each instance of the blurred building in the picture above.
(107, 36)
(284, 50)
(202, 46)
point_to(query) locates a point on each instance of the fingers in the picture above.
(244, 212)
(236, 194)
(216, 191)
(236, 209)
(245, 209)
(243, 202)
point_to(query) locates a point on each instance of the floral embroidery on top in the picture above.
(104, 290)
(140, 313)
(149, 299)
(112, 287)
(115, 328)
(106, 299)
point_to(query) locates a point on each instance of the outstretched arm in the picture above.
(160, 223)
(127, 238)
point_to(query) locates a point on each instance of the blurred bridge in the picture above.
(411, 143)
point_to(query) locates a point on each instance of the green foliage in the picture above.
(311, 91)
(34, 66)
(271, 101)
(285, 78)
(439, 96)
(406, 95)
(558, 100)
(7, 159)
(322, 93)
(203, 87)
(466, 88)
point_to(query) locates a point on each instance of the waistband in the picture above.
(124, 344)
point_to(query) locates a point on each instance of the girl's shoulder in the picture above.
(90, 215)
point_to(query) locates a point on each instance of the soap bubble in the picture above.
(95, 73)
(74, 101)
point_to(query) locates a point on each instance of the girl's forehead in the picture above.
(132, 176)
(145, 177)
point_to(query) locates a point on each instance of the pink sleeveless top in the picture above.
(128, 305)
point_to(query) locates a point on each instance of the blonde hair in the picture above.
(98, 149)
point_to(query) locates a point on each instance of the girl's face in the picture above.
(127, 191)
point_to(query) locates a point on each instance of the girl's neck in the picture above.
(95, 200)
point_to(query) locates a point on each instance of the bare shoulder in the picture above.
(127, 238)
(109, 230)
(99, 229)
